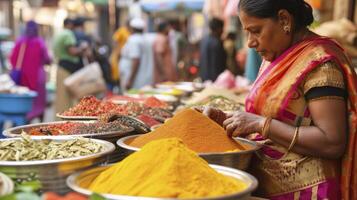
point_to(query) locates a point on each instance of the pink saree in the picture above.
(270, 96)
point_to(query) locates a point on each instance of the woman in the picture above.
(33, 75)
(302, 105)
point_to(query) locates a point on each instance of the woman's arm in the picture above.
(326, 138)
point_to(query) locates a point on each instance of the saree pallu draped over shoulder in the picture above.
(296, 176)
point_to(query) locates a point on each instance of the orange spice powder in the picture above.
(197, 131)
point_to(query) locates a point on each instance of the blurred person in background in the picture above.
(178, 43)
(33, 76)
(83, 40)
(119, 37)
(136, 68)
(68, 58)
(79, 31)
(230, 48)
(164, 69)
(212, 54)
(252, 64)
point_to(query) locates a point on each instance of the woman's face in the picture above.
(266, 35)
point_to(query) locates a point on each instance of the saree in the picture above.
(33, 74)
(270, 96)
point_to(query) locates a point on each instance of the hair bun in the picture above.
(305, 13)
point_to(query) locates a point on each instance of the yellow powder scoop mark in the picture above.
(165, 169)
(197, 131)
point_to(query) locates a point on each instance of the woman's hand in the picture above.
(242, 123)
(213, 113)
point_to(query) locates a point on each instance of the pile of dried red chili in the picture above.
(91, 106)
(155, 103)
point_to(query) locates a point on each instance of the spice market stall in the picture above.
(191, 153)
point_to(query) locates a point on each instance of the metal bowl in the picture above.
(6, 185)
(80, 181)
(52, 174)
(238, 160)
(16, 131)
(108, 136)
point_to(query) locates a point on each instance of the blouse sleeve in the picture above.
(325, 81)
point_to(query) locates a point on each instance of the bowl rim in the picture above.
(256, 146)
(108, 148)
(71, 183)
(29, 94)
(6, 180)
(8, 132)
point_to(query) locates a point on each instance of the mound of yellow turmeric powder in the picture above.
(197, 131)
(165, 169)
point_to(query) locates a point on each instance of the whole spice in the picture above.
(77, 128)
(220, 102)
(28, 149)
(197, 131)
(91, 106)
(165, 169)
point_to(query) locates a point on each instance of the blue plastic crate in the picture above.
(16, 103)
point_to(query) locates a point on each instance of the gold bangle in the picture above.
(266, 126)
(295, 138)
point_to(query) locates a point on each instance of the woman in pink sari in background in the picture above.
(33, 74)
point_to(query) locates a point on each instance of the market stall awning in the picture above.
(168, 5)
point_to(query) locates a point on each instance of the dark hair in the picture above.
(162, 26)
(299, 9)
(68, 21)
(79, 21)
(215, 24)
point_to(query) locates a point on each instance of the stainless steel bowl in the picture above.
(6, 185)
(52, 174)
(113, 135)
(238, 160)
(80, 181)
(108, 136)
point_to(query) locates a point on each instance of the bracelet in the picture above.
(293, 142)
(266, 126)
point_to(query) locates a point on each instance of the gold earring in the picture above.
(287, 29)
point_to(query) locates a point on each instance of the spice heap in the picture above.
(91, 106)
(28, 149)
(165, 169)
(197, 131)
(76, 128)
(155, 103)
(220, 102)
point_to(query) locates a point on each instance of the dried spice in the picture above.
(91, 106)
(165, 169)
(148, 120)
(197, 131)
(155, 103)
(219, 102)
(27, 149)
(76, 128)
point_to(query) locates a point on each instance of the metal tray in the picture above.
(65, 117)
(52, 174)
(16, 131)
(89, 175)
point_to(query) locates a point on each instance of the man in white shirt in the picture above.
(136, 58)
